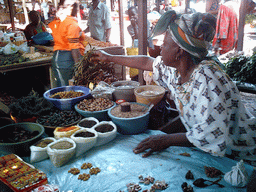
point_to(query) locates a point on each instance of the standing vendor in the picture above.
(99, 22)
(36, 26)
(68, 47)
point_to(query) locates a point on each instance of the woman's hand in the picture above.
(101, 56)
(154, 143)
(160, 142)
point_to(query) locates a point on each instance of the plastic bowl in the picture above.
(67, 104)
(21, 148)
(100, 115)
(149, 94)
(124, 90)
(131, 126)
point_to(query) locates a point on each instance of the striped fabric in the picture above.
(192, 32)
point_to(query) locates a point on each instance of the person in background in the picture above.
(99, 21)
(226, 35)
(45, 8)
(212, 116)
(36, 26)
(81, 9)
(133, 30)
(212, 7)
(68, 47)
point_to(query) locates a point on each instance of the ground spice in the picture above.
(136, 111)
(84, 134)
(103, 128)
(62, 145)
(87, 123)
(44, 143)
(67, 129)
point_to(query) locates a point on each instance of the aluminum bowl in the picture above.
(124, 90)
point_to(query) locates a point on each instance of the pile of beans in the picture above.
(67, 94)
(59, 118)
(95, 104)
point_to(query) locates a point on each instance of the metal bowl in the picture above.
(124, 90)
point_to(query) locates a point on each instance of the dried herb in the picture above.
(88, 71)
(29, 106)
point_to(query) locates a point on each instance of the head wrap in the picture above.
(192, 32)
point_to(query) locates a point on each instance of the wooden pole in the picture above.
(121, 26)
(142, 36)
(242, 14)
(11, 10)
(25, 12)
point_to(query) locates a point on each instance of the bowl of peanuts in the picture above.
(95, 107)
(64, 98)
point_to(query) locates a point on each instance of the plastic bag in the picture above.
(103, 90)
(24, 48)
(10, 48)
(46, 188)
(83, 144)
(61, 155)
(39, 153)
(237, 176)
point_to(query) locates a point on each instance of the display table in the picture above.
(120, 166)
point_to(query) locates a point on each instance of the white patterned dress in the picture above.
(211, 110)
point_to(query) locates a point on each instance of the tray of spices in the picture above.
(20, 176)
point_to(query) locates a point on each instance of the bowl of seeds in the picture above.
(64, 98)
(130, 117)
(95, 107)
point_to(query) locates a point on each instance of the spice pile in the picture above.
(156, 185)
(95, 104)
(66, 94)
(85, 176)
(57, 118)
(202, 183)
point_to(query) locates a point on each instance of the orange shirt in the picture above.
(67, 35)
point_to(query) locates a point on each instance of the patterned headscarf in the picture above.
(192, 32)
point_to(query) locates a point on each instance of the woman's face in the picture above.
(169, 50)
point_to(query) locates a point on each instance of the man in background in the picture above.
(99, 21)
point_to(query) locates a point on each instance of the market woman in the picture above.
(212, 114)
(68, 47)
(36, 26)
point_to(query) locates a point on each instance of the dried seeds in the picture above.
(74, 171)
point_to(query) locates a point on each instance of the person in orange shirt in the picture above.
(68, 47)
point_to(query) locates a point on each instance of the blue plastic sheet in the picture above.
(120, 166)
